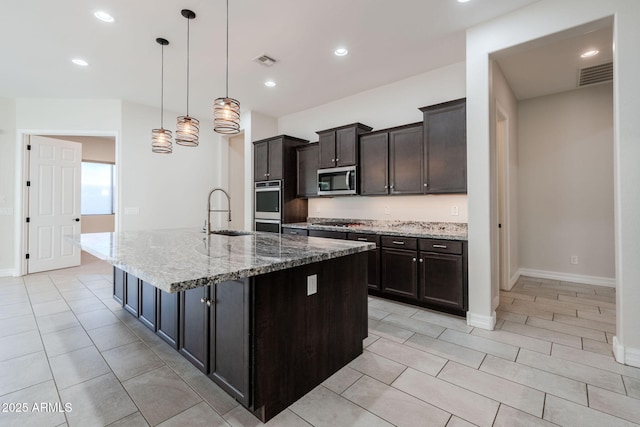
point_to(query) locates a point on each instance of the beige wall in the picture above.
(566, 182)
(7, 185)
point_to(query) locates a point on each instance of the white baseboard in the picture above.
(7, 272)
(566, 277)
(627, 356)
(514, 279)
(481, 321)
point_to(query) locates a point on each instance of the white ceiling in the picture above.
(387, 41)
(552, 64)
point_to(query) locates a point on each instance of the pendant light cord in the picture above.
(162, 89)
(188, 19)
(227, 48)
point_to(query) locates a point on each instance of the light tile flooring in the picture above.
(63, 340)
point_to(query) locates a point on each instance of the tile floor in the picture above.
(63, 340)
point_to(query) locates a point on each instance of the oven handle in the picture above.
(268, 221)
(346, 178)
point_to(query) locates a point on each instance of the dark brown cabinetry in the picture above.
(328, 234)
(307, 161)
(391, 161)
(443, 272)
(118, 285)
(167, 310)
(445, 152)
(148, 304)
(294, 231)
(275, 157)
(131, 294)
(399, 272)
(214, 333)
(373, 264)
(339, 146)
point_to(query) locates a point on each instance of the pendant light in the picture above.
(161, 138)
(188, 128)
(226, 111)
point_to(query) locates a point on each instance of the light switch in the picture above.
(454, 210)
(312, 284)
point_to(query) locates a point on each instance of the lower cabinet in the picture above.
(148, 304)
(373, 261)
(399, 272)
(167, 320)
(294, 231)
(132, 294)
(118, 285)
(328, 234)
(214, 334)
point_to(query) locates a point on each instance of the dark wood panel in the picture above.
(406, 160)
(328, 234)
(229, 338)
(307, 162)
(400, 272)
(275, 159)
(295, 231)
(148, 304)
(194, 327)
(346, 146)
(118, 285)
(132, 295)
(442, 279)
(442, 246)
(302, 340)
(260, 161)
(168, 307)
(445, 135)
(327, 149)
(374, 164)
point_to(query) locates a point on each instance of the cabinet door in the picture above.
(373, 264)
(405, 158)
(327, 144)
(441, 280)
(194, 326)
(118, 285)
(132, 294)
(260, 161)
(346, 147)
(374, 164)
(275, 159)
(168, 317)
(229, 355)
(307, 156)
(446, 147)
(399, 272)
(148, 304)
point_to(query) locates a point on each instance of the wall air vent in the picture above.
(596, 74)
(265, 60)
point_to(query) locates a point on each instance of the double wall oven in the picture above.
(268, 206)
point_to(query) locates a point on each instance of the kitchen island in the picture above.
(267, 317)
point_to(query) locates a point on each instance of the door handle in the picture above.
(76, 219)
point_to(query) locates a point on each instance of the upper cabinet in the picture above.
(307, 170)
(274, 158)
(339, 146)
(445, 147)
(391, 161)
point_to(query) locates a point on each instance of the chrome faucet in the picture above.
(208, 229)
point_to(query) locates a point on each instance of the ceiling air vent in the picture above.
(596, 74)
(265, 60)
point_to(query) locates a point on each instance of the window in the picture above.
(97, 183)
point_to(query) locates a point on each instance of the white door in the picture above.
(54, 203)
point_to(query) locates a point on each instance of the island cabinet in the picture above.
(274, 158)
(339, 146)
(214, 334)
(307, 163)
(118, 285)
(391, 161)
(445, 142)
(168, 305)
(148, 305)
(132, 294)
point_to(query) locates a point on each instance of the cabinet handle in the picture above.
(333, 160)
(414, 260)
(293, 232)
(363, 239)
(265, 174)
(395, 242)
(386, 186)
(440, 246)
(425, 184)
(209, 303)
(202, 300)
(391, 187)
(337, 160)
(421, 260)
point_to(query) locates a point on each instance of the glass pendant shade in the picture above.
(161, 141)
(226, 116)
(187, 131)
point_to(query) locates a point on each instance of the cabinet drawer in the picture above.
(373, 238)
(441, 246)
(400, 242)
(295, 231)
(328, 234)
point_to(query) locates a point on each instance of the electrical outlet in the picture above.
(387, 210)
(312, 284)
(574, 259)
(454, 210)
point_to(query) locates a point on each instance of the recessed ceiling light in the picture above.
(590, 53)
(103, 16)
(269, 83)
(463, 1)
(341, 51)
(80, 62)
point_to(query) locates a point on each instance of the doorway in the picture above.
(502, 191)
(236, 181)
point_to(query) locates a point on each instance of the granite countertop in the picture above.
(175, 260)
(431, 230)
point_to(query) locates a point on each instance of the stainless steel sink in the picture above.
(231, 232)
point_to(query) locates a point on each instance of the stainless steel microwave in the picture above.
(337, 181)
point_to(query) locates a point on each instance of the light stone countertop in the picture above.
(430, 230)
(179, 259)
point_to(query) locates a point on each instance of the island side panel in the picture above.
(300, 339)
